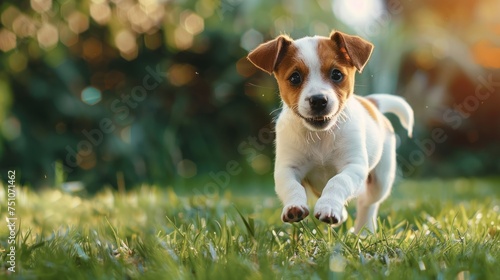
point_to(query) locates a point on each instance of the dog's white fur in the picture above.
(354, 156)
(336, 163)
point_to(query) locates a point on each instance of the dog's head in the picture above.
(315, 74)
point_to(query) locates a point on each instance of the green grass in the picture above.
(429, 229)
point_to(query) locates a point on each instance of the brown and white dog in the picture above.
(338, 144)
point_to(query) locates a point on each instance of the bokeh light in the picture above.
(126, 134)
(182, 38)
(100, 12)
(138, 18)
(192, 22)
(357, 13)
(91, 95)
(67, 37)
(92, 49)
(41, 6)
(251, 39)
(125, 41)
(181, 74)
(47, 36)
(245, 68)
(23, 26)
(88, 161)
(78, 22)
(7, 40)
(9, 15)
(128, 22)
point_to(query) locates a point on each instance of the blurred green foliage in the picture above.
(197, 110)
(124, 92)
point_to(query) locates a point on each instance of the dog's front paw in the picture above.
(294, 213)
(330, 211)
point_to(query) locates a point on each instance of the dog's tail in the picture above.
(387, 103)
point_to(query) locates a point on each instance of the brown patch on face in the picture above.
(290, 63)
(335, 57)
(369, 107)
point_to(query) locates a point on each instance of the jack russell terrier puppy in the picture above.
(337, 144)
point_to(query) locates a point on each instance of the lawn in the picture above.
(428, 230)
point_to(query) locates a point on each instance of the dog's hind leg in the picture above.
(378, 187)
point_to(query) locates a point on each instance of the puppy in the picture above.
(338, 144)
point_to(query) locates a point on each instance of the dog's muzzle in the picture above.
(319, 113)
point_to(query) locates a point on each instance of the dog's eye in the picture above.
(336, 76)
(295, 79)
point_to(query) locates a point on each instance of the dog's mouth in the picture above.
(317, 122)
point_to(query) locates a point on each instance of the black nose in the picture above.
(318, 102)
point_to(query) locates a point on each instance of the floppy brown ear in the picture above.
(267, 55)
(357, 50)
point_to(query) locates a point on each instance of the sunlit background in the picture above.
(123, 92)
